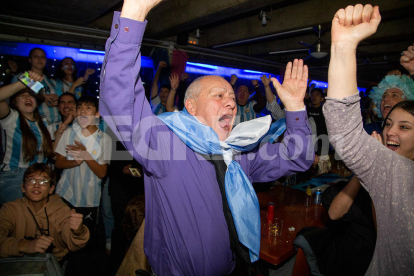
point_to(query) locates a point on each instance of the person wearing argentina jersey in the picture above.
(246, 110)
(84, 152)
(66, 76)
(27, 137)
(48, 109)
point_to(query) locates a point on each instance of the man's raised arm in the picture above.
(123, 104)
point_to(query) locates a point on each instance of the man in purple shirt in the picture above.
(185, 229)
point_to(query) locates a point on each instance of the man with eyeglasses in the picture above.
(40, 222)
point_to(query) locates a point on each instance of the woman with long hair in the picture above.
(66, 76)
(27, 137)
(48, 109)
(384, 164)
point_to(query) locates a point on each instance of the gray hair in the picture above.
(193, 89)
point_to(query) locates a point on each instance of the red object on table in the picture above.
(290, 207)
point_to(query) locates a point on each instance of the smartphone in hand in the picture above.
(134, 171)
(35, 86)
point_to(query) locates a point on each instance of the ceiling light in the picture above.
(264, 18)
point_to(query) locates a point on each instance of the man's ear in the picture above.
(191, 106)
(22, 186)
(52, 188)
(97, 115)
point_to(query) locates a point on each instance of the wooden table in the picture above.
(290, 207)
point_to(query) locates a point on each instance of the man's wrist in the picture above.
(295, 107)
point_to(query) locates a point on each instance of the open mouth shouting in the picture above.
(392, 145)
(28, 103)
(225, 121)
(83, 120)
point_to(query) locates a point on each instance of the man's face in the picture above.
(164, 94)
(38, 59)
(390, 98)
(86, 114)
(398, 133)
(215, 106)
(67, 106)
(242, 95)
(316, 98)
(34, 191)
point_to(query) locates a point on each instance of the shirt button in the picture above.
(126, 29)
(116, 26)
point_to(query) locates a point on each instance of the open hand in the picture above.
(174, 81)
(293, 89)
(78, 151)
(354, 23)
(76, 222)
(407, 59)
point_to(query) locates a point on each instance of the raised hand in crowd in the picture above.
(184, 76)
(51, 99)
(255, 82)
(154, 86)
(62, 127)
(138, 9)
(407, 59)
(38, 245)
(233, 79)
(13, 66)
(270, 97)
(88, 72)
(293, 89)
(76, 222)
(349, 27)
(174, 82)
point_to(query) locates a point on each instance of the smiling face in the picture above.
(35, 192)
(242, 95)
(67, 106)
(215, 106)
(398, 133)
(86, 114)
(38, 59)
(68, 66)
(390, 98)
(26, 103)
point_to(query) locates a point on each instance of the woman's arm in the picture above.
(344, 199)
(349, 27)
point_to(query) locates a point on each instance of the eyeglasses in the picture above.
(41, 182)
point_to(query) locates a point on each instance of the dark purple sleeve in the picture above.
(294, 154)
(123, 104)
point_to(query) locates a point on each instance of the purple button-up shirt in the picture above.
(185, 229)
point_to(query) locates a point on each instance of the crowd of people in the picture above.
(195, 148)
